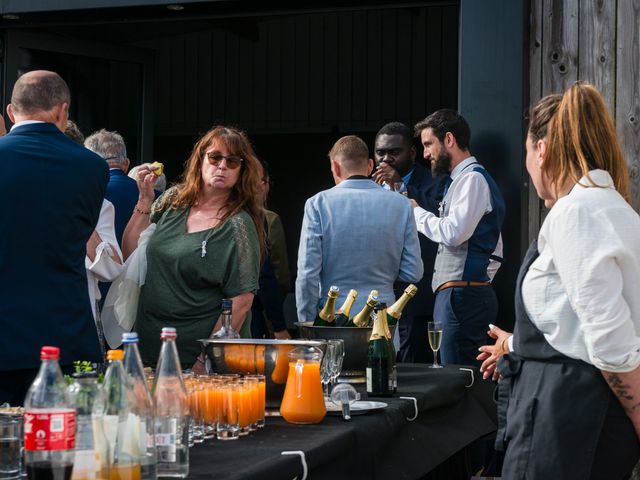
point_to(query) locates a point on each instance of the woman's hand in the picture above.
(489, 354)
(199, 367)
(146, 179)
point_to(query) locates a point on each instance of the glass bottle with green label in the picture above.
(379, 363)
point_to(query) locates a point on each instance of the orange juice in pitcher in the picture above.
(303, 400)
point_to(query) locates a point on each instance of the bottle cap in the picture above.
(168, 332)
(49, 353)
(380, 306)
(130, 337)
(334, 291)
(227, 304)
(115, 354)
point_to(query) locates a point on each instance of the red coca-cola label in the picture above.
(50, 429)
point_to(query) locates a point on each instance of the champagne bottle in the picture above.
(342, 315)
(378, 361)
(395, 311)
(362, 317)
(393, 372)
(326, 316)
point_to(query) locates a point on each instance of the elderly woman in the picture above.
(207, 245)
(570, 387)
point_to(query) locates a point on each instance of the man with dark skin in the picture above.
(395, 155)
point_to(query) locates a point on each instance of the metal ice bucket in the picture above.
(356, 345)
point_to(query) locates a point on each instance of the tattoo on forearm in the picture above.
(621, 389)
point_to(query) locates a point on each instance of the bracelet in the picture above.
(140, 211)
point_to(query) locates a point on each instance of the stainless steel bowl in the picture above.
(356, 345)
(249, 356)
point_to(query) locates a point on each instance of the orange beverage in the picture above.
(303, 400)
(260, 398)
(252, 384)
(124, 472)
(244, 407)
(279, 374)
(227, 427)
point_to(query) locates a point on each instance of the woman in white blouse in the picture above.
(569, 396)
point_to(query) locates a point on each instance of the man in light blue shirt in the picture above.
(355, 235)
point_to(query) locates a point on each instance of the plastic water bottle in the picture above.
(172, 410)
(142, 407)
(49, 422)
(120, 423)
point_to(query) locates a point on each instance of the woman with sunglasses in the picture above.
(207, 245)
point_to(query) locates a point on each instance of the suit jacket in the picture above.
(122, 191)
(51, 192)
(428, 192)
(278, 251)
(355, 235)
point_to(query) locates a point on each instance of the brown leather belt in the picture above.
(461, 283)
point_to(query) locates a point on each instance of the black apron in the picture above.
(557, 417)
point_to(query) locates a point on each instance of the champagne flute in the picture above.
(435, 338)
(325, 368)
(401, 188)
(336, 365)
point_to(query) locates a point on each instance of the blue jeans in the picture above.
(465, 313)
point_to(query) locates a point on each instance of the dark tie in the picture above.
(447, 184)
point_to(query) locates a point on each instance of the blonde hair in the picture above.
(582, 137)
(246, 194)
(352, 150)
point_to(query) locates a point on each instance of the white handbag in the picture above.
(121, 303)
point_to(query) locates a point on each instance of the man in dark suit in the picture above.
(122, 191)
(51, 191)
(395, 154)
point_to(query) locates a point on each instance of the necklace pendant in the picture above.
(204, 249)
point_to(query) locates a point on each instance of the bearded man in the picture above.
(467, 231)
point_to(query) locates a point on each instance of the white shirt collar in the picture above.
(601, 179)
(461, 166)
(25, 122)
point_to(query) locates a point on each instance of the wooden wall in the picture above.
(308, 72)
(597, 41)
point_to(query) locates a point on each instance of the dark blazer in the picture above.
(428, 192)
(122, 191)
(51, 191)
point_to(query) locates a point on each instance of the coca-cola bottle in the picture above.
(49, 423)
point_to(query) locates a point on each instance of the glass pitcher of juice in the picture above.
(303, 400)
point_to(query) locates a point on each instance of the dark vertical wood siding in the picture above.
(320, 72)
(597, 41)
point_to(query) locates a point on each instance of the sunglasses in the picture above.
(233, 161)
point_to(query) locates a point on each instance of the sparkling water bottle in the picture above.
(142, 407)
(172, 410)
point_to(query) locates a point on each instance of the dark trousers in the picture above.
(465, 313)
(414, 344)
(15, 383)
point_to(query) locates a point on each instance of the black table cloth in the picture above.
(453, 411)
